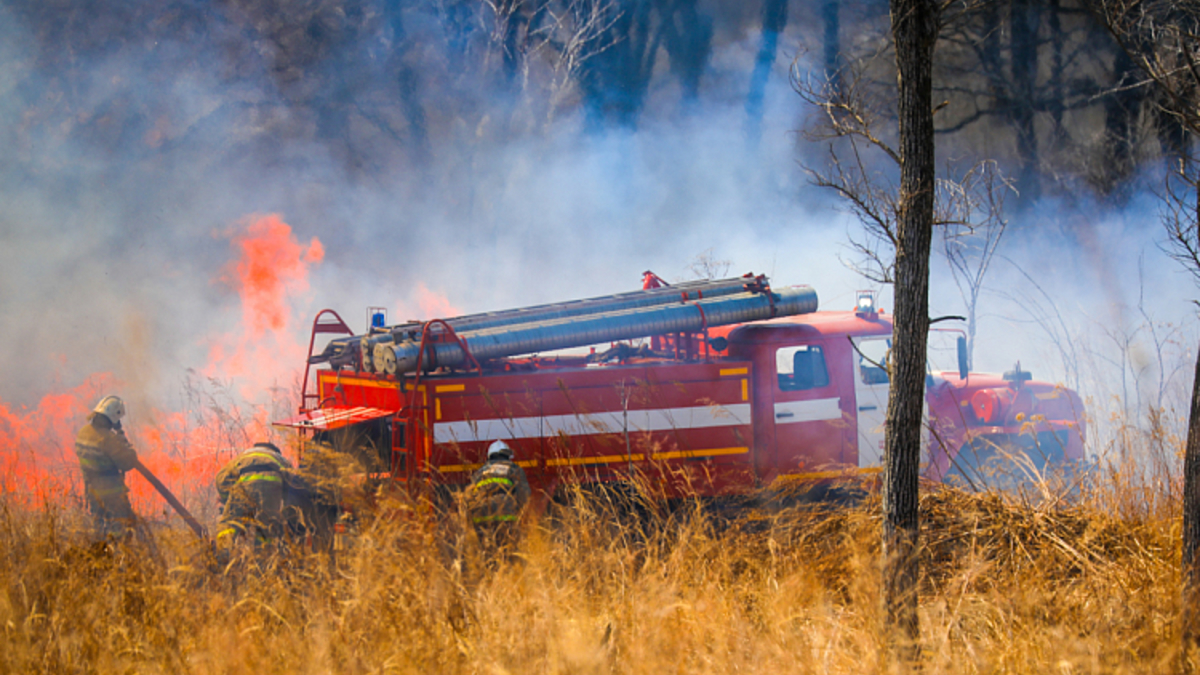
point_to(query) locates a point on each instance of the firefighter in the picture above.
(495, 499)
(104, 457)
(251, 490)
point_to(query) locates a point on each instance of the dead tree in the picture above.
(899, 219)
(1162, 40)
(774, 20)
(971, 242)
(914, 31)
(1182, 222)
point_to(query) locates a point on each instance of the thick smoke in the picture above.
(118, 240)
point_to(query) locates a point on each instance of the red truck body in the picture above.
(732, 410)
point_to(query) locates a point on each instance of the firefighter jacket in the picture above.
(498, 492)
(105, 454)
(251, 490)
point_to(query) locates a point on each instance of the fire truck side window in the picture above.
(801, 368)
(872, 354)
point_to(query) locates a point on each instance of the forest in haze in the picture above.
(388, 90)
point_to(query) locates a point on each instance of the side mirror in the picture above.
(962, 357)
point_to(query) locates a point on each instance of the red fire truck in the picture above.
(709, 388)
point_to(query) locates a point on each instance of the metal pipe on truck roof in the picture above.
(664, 295)
(564, 333)
(694, 290)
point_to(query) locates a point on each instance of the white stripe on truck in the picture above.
(610, 422)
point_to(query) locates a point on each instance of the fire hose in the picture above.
(175, 503)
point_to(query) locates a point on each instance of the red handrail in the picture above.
(336, 326)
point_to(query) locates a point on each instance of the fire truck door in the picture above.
(871, 397)
(806, 410)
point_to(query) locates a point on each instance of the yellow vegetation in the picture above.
(1009, 586)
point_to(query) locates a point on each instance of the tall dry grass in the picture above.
(1010, 585)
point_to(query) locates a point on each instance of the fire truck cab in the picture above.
(822, 394)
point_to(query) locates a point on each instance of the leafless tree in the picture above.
(706, 265)
(899, 206)
(853, 113)
(969, 206)
(915, 26)
(576, 33)
(1162, 38)
(972, 233)
(1181, 214)
(1041, 309)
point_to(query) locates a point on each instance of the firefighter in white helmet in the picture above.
(104, 457)
(495, 499)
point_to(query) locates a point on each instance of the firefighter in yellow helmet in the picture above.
(104, 457)
(251, 488)
(495, 499)
(263, 498)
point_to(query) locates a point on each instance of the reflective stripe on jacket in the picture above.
(502, 518)
(253, 460)
(498, 492)
(274, 478)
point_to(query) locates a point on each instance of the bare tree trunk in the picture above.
(1056, 84)
(687, 35)
(914, 29)
(1191, 521)
(408, 87)
(614, 81)
(1190, 566)
(774, 20)
(1024, 21)
(1121, 112)
(833, 44)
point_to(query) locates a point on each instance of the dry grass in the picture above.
(1008, 587)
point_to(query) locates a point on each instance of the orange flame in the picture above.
(271, 269)
(37, 457)
(184, 449)
(430, 305)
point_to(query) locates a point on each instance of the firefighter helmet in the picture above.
(499, 450)
(269, 446)
(111, 407)
(264, 447)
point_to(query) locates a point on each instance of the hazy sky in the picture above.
(116, 256)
